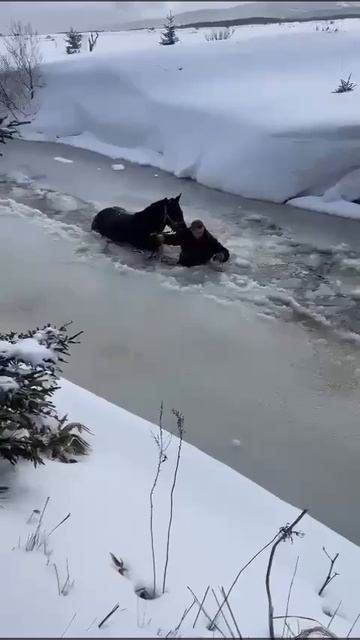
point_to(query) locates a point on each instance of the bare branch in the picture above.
(268, 544)
(92, 624)
(231, 612)
(180, 429)
(161, 460)
(298, 618)
(57, 579)
(334, 615)
(92, 39)
(223, 614)
(289, 594)
(286, 533)
(59, 525)
(353, 625)
(292, 634)
(43, 513)
(34, 537)
(184, 615)
(67, 584)
(201, 606)
(109, 615)
(212, 624)
(68, 626)
(330, 576)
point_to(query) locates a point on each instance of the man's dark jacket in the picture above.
(195, 251)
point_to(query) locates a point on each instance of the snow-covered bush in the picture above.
(327, 27)
(30, 427)
(345, 86)
(73, 41)
(8, 128)
(221, 34)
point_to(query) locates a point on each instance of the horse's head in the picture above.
(162, 213)
(174, 216)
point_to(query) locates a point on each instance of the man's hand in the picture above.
(218, 257)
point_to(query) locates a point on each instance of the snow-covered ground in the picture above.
(254, 115)
(220, 521)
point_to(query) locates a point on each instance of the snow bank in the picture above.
(339, 207)
(220, 520)
(342, 199)
(254, 115)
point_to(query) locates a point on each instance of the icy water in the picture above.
(265, 353)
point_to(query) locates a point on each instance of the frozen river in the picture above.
(265, 353)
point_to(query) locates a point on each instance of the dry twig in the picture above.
(334, 615)
(180, 429)
(201, 606)
(353, 625)
(68, 626)
(223, 615)
(212, 625)
(161, 459)
(289, 594)
(231, 612)
(109, 615)
(330, 576)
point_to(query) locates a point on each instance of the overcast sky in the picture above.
(57, 16)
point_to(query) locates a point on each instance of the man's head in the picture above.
(197, 228)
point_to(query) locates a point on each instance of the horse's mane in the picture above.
(152, 208)
(154, 212)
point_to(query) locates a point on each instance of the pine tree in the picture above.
(169, 36)
(30, 427)
(73, 41)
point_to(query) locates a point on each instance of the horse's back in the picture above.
(113, 223)
(116, 224)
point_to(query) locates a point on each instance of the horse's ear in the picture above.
(178, 197)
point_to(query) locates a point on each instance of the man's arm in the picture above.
(218, 248)
(173, 239)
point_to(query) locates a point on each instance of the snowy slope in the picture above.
(255, 115)
(220, 521)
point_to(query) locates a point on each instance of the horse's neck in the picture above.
(150, 220)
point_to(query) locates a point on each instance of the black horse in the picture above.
(136, 229)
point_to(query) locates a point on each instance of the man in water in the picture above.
(198, 246)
